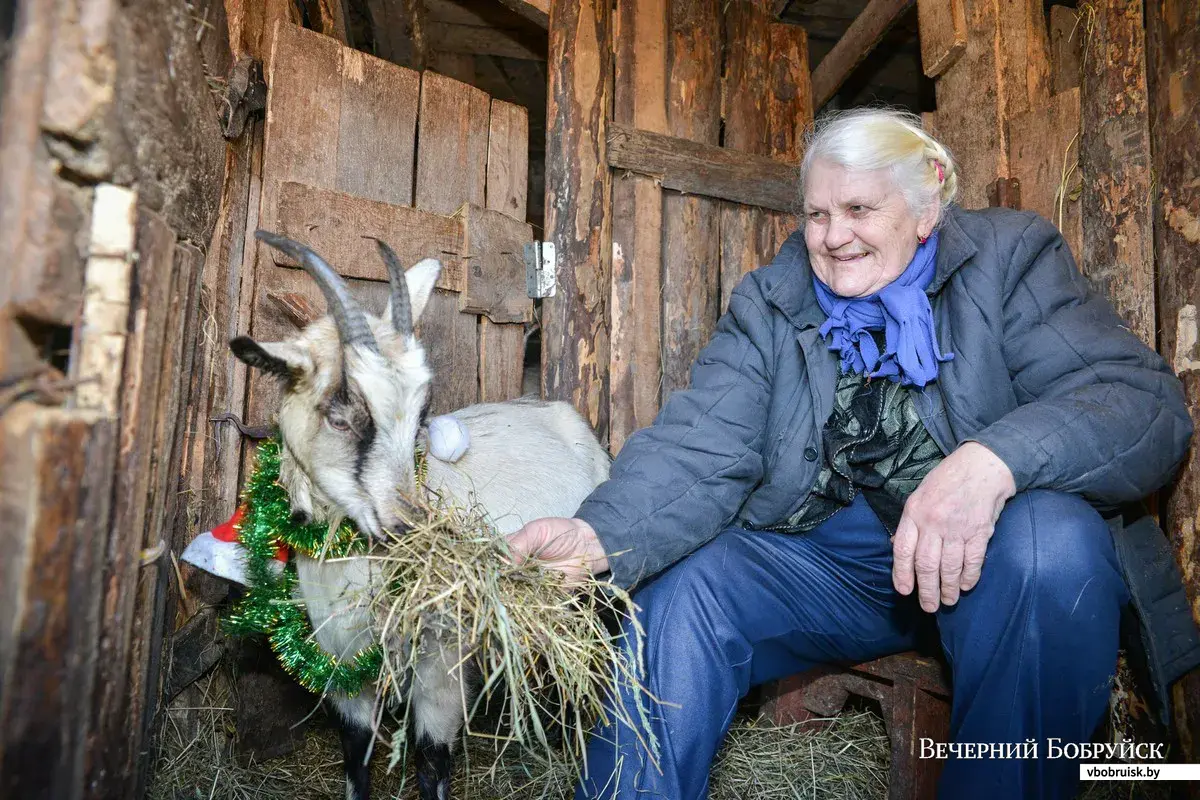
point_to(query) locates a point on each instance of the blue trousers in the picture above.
(1032, 648)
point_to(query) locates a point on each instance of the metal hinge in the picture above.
(541, 269)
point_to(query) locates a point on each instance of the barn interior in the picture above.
(652, 143)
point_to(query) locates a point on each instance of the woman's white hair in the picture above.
(870, 139)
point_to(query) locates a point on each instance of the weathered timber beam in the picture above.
(475, 40)
(860, 39)
(575, 322)
(705, 169)
(536, 11)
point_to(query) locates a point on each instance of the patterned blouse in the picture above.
(874, 443)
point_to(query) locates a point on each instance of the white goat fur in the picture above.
(527, 459)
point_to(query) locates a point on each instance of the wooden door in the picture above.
(356, 146)
(649, 253)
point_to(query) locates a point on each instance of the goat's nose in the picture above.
(300, 517)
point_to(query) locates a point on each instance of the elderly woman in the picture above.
(914, 415)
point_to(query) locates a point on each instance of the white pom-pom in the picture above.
(448, 438)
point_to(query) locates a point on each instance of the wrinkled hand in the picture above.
(567, 545)
(947, 523)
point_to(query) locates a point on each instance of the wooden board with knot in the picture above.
(495, 266)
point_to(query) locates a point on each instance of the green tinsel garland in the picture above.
(268, 607)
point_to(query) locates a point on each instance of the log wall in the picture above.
(111, 149)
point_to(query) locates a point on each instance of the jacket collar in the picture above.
(793, 292)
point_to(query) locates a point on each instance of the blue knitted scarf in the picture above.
(901, 309)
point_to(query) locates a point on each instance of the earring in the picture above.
(922, 239)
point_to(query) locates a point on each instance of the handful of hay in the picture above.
(524, 641)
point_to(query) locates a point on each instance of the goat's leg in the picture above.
(437, 709)
(354, 713)
(435, 768)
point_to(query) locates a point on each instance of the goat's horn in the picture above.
(402, 319)
(347, 314)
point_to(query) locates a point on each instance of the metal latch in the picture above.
(541, 269)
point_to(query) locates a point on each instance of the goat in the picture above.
(355, 390)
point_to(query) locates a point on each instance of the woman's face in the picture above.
(859, 230)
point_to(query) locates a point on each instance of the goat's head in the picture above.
(354, 390)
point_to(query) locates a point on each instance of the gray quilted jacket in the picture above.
(1044, 374)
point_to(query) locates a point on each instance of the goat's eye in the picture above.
(338, 424)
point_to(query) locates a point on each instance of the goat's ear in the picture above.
(421, 278)
(281, 359)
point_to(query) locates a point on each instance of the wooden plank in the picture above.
(452, 145)
(1024, 56)
(970, 112)
(943, 34)
(451, 171)
(502, 347)
(252, 25)
(25, 192)
(1044, 157)
(216, 453)
(55, 495)
(1173, 67)
(1066, 49)
(691, 225)
(501, 361)
(496, 275)
(704, 169)
(148, 637)
(303, 118)
(745, 232)
(192, 402)
(536, 11)
(639, 101)
(1118, 246)
(575, 330)
(859, 40)
(507, 186)
(476, 40)
(391, 26)
(111, 768)
(334, 224)
(789, 113)
(377, 129)
(103, 330)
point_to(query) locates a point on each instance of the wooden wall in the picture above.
(1093, 113)
(650, 250)
(106, 200)
(127, 221)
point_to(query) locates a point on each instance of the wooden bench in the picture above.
(912, 693)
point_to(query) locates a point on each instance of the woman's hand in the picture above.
(567, 545)
(947, 523)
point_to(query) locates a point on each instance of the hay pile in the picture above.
(537, 653)
(846, 759)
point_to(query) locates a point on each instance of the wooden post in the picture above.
(575, 344)
(1066, 50)
(639, 101)
(789, 112)
(1173, 67)
(111, 766)
(745, 233)
(1003, 73)
(691, 246)
(1115, 159)
(55, 495)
